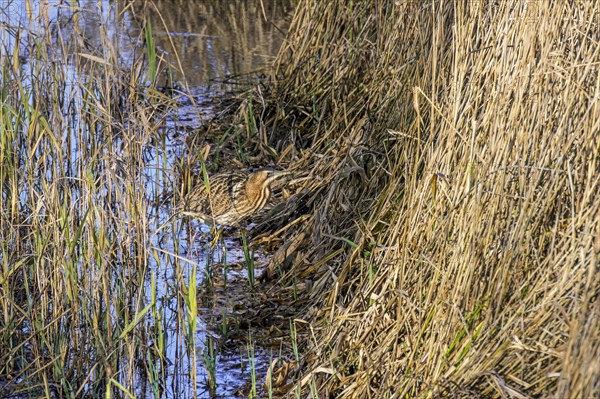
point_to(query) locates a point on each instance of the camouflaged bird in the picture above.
(231, 197)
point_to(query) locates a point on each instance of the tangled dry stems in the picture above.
(452, 238)
(449, 239)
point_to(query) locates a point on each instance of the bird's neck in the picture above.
(258, 196)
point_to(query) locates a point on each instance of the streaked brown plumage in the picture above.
(231, 198)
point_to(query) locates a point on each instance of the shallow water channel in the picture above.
(217, 45)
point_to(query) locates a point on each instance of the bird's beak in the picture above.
(275, 175)
(278, 173)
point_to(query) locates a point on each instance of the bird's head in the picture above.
(261, 180)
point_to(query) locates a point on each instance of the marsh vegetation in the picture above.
(444, 240)
(458, 210)
(102, 290)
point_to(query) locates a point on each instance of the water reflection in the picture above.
(213, 40)
(203, 41)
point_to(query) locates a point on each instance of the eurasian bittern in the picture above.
(231, 197)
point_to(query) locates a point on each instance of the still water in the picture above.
(206, 48)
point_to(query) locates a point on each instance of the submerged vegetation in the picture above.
(442, 238)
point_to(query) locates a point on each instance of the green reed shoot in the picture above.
(249, 118)
(224, 321)
(252, 363)
(224, 263)
(209, 359)
(249, 260)
(151, 52)
(294, 338)
(192, 320)
(313, 389)
(117, 384)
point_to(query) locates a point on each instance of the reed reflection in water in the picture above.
(215, 39)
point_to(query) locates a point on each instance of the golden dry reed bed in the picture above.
(446, 243)
(455, 147)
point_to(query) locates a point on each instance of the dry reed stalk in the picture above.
(458, 148)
